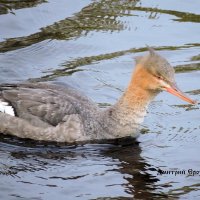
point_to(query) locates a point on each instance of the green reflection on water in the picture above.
(70, 67)
(8, 6)
(98, 16)
(182, 16)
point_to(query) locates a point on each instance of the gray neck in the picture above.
(124, 118)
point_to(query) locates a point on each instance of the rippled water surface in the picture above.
(91, 45)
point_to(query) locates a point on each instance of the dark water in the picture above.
(91, 45)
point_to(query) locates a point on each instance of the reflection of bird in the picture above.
(50, 112)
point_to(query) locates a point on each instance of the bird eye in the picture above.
(159, 77)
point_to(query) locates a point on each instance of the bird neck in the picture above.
(129, 111)
(135, 99)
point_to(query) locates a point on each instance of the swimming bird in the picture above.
(50, 112)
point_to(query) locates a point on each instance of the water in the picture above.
(91, 45)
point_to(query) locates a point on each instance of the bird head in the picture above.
(155, 74)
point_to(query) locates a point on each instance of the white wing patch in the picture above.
(6, 108)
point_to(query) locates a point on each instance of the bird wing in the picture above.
(43, 104)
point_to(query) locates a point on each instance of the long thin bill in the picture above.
(173, 89)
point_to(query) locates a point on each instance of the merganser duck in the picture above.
(50, 112)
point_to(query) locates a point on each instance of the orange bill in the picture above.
(173, 89)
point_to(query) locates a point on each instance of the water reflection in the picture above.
(70, 67)
(135, 169)
(8, 6)
(123, 161)
(180, 16)
(98, 16)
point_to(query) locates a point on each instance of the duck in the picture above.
(59, 113)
